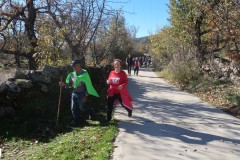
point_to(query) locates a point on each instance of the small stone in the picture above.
(7, 112)
(3, 86)
(12, 86)
(38, 76)
(51, 71)
(44, 88)
(23, 83)
(19, 74)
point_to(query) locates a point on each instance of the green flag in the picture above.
(82, 78)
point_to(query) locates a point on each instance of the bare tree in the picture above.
(104, 40)
(19, 19)
(81, 19)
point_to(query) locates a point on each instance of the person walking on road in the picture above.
(136, 66)
(81, 83)
(129, 62)
(118, 82)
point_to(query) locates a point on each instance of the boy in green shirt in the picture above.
(81, 83)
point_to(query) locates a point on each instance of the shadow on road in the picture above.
(148, 76)
(147, 127)
(159, 117)
(165, 108)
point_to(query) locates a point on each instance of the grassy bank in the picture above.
(31, 132)
(86, 142)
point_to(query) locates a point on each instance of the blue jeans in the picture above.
(78, 105)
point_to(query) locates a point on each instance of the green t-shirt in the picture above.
(82, 78)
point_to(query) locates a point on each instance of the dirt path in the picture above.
(169, 124)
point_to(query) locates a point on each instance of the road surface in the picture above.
(169, 124)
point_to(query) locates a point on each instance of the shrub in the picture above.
(165, 73)
(233, 98)
(183, 72)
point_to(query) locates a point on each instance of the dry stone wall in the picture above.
(223, 69)
(24, 83)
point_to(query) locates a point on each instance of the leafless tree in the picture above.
(18, 19)
(81, 19)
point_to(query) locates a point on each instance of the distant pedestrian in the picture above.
(129, 62)
(136, 66)
(140, 60)
(118, 82)
(148, 58)
(145, 63)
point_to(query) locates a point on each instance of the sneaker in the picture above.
(73, 123)
(109, 118)
(91, 114)
(130, 113)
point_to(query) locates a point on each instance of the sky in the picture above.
(146, 15)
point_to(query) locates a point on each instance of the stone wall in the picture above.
(24, 84)
(223, 69)
(18, 82)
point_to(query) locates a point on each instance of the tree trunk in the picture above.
(30, 29)
(17, 61)
(198, 40)
(32, 65)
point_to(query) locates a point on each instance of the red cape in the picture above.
(126, 98)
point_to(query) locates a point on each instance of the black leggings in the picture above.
(136, 69)
(110, 103)
(129, 69)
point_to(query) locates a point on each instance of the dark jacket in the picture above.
(129, 61)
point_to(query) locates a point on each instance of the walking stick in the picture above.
(59, 103)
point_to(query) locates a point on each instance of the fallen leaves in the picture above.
(224, 96)
(86, 156)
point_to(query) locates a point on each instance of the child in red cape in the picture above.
(118, 90)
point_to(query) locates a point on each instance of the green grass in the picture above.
(31, 133)
(86, 142)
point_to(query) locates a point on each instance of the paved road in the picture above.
(169, 124)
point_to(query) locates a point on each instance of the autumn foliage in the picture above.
(199, 30)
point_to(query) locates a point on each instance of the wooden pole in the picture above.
(59, 103)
